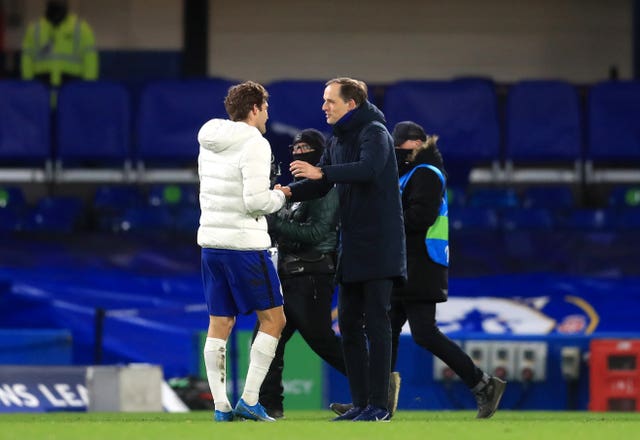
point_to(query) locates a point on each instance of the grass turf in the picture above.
(312, 425)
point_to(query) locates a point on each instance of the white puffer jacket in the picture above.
(234, 166)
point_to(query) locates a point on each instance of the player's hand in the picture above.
(304, 170)
(285, 190)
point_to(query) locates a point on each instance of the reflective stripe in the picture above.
(76, 37)
(437, 237)
(440, 229)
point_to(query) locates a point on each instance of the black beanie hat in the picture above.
(407, 130)
(311, 137)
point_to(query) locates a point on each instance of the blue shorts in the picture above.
(239, 282)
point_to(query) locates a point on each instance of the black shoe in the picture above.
(276, 413)
(373, 414)
(340, 408)
(349, 415)
(489, 397)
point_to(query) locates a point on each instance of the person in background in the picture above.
(360, 163)
(306, 234)
(58, 47)
(423, 185)
(238, 274)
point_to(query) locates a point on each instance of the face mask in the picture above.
(311, 157)
(402, 155)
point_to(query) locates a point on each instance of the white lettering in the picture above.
(298, 386)
(68, 395)
(50, 397)
(8, 397)
(84, 394)
(28, 399)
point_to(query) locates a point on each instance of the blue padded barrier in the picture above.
(94, 122)
(614, 115)
(172, 112)
(24, 122)
(462, 113)
(543, 122)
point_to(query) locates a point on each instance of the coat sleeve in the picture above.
(374, 152)
(322, 218)
(88, 52)
(255, 167)
(26, 57)
(421, 200)
(308, 189)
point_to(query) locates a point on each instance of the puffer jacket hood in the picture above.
(219, 134)
(234, 165)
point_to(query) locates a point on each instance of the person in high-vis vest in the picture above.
(423, 185)
(59, 47)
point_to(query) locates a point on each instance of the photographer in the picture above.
(306, 236)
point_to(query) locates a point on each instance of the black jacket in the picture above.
(360, 161)
(421, 198)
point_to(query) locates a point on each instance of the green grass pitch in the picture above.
(315, 425)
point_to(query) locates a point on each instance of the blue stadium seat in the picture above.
(586, 219)
(145, 220)
(439, 106)
(296, 105)
(56, 214)
(172, 112)
(111, 201)
(462, 113)
(94, 131)
(526, 219)
(628, 219)
(187, 220)
(473, 218)
(543, 132)
(456, 196)
(614, 132)
(625, 196)
(25, 132)
(173, 195)
(493, 198)
(12, 208)
(110, 197)
(11, 197)
(555, 196)
(10, 221)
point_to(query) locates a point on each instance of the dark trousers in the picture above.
(307, 307)
(422, 321)
(363, 314)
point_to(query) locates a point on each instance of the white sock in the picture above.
(215, 361)
(263, 350)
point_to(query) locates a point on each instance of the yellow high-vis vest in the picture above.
(61, 52)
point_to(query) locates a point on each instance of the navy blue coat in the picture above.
(360, 161)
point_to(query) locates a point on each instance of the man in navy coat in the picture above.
(360, 162)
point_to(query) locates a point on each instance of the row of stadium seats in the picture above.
(174, 209)
(98, 125)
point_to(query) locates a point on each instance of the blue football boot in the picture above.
(255, 412)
